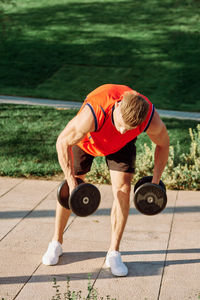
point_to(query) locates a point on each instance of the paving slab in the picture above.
(181, 278)
(8, 183)
(162, 252)
(16, 269)
(31, 238)
(27, 194)
(23, 247)
(38, 288)
(77, 262)
(21, 198)
(83, 254)
(143, 250)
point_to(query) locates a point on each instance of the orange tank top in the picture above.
(106, 139)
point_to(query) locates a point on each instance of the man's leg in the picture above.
(121, 187)
(54, 251)
(121, 165)
(82, 165)
(62, 216)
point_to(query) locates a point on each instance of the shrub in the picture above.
(185, 174)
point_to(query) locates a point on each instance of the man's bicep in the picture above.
(157, 131)
(78, 127)
(161, 138)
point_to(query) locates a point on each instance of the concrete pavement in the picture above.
(77, 105)
(162, 252)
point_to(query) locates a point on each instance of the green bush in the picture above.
(185, 173)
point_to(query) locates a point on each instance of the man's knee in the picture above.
(121, 182)
(121, 191)
(124, 188)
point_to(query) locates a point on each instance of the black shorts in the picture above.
(122, 160)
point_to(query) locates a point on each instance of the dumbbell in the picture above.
(84, 199)
(150, 199)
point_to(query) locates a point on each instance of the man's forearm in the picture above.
(65, 158)
(160, 160)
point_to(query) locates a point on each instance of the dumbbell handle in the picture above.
(63, 193)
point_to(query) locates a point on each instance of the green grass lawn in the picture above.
(64, 49)
(28, 139)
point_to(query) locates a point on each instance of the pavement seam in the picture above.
(26, 281)
(167, 249)
(27, 214)
(40, 263)
(67, 227)
(96, 278)
(12, 188)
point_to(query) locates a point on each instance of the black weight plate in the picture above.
(147, 179)
(84, 199)
(150, 199)
(63, 194)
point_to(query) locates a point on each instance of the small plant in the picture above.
(73, 295)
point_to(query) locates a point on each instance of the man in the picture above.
(108, 123)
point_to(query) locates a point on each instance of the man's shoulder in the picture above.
(156, 125)
(108, 89)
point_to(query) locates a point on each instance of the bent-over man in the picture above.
(108, 123)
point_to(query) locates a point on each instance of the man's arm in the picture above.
(157, 132)
(74, 132)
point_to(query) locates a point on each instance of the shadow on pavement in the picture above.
(99, 212)
(136, 268)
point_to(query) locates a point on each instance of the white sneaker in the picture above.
(52, 254)
(114, 261)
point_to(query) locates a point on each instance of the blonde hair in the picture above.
(134, 108)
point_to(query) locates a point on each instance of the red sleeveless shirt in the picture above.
(106, 139)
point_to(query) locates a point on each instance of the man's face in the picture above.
(118, 120)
